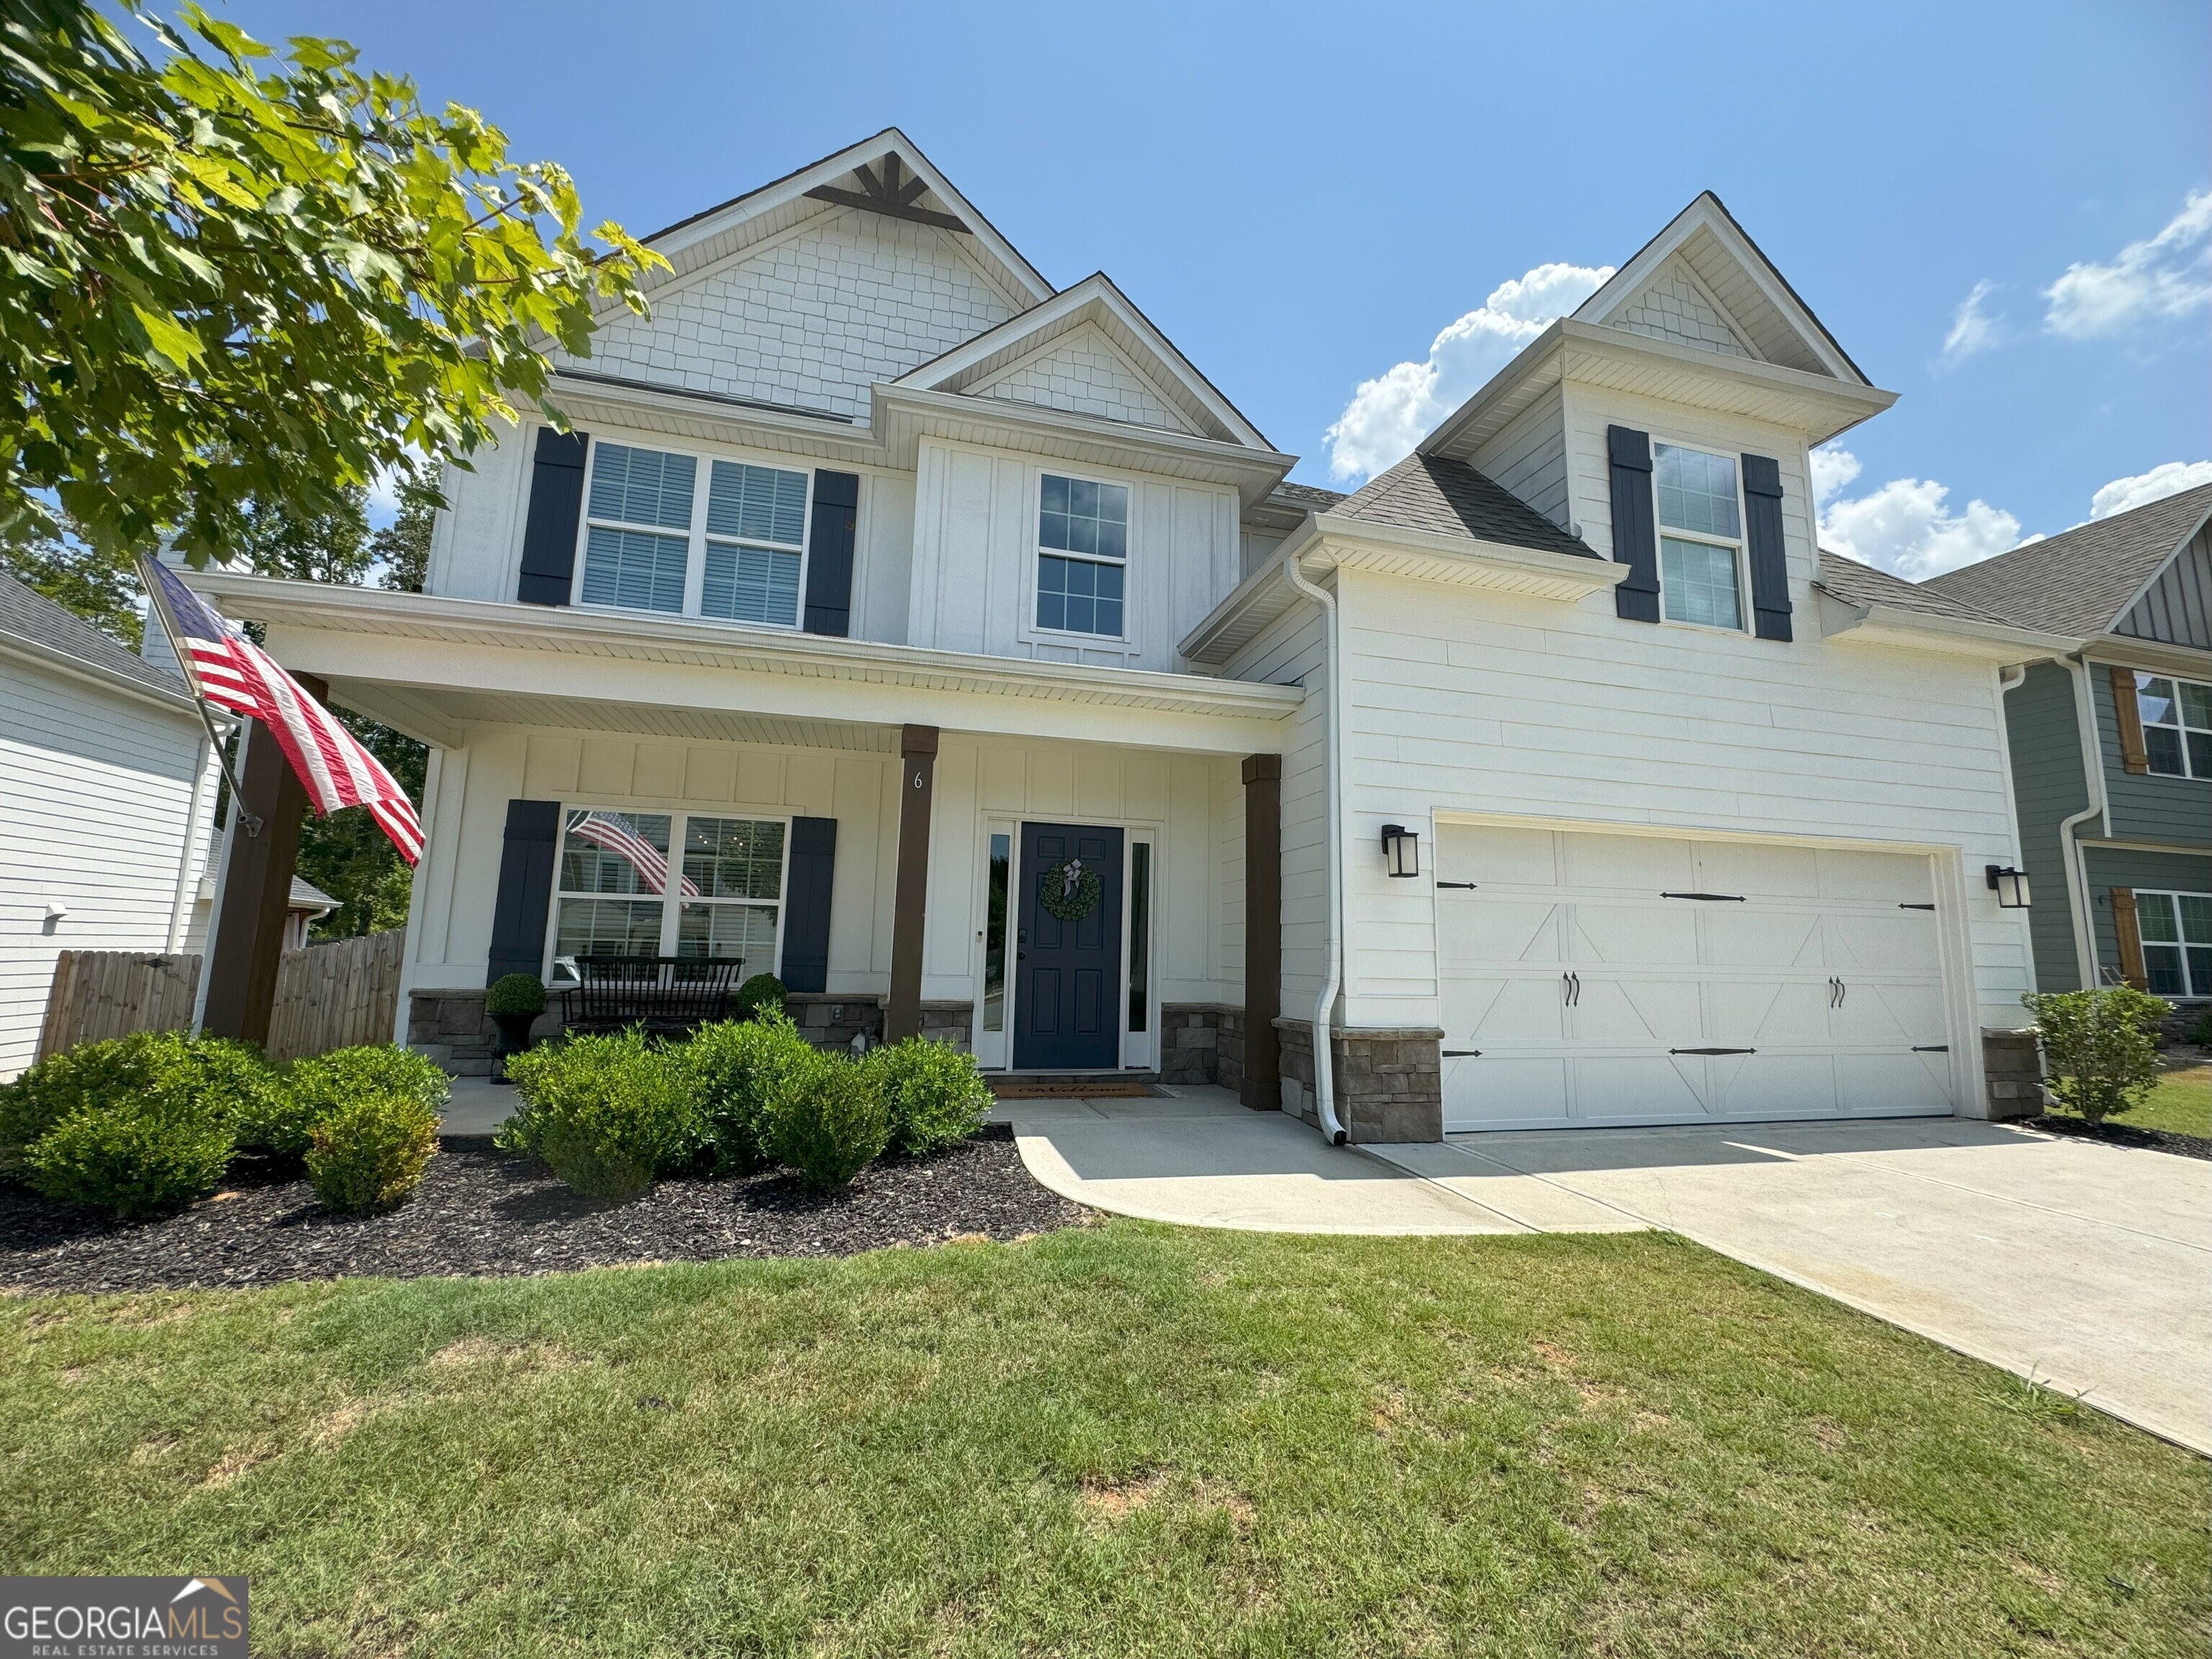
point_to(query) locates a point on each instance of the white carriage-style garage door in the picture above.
(1592, 978)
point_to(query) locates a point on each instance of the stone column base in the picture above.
(2012, 1065)
(451, 1029)
(1389, 1083)
(1201, 1043)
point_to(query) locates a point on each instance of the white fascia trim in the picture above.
(178, 702)
(2125, 651)
(904, 415)
(1095, 295)
(676, 413)
(569, 630)
(1830, 407)
(1920, 631)
(1417, 555)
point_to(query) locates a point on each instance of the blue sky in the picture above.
(1306, 197)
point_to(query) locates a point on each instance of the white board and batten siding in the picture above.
(96, 801)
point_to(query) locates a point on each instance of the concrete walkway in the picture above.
(2083, 1266)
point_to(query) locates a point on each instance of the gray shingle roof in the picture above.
(1309, 495)
(2077, 582)
(1430, 492)
(305, 896)
(31, 616)
(1862, 584)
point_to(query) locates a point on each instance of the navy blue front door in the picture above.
(1067, 974)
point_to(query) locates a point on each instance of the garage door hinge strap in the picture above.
(1712, 1051)
(1931, 1048)
(1462, 1054)
(1915, 906)
(1710, 898)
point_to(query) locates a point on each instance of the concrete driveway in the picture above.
(2085, 1266)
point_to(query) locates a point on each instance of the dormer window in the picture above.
(1700, 536)
(1082, 550)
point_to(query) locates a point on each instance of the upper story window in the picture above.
(1700, 536)
(2177, 725)
(649, 526)
(1082, 550)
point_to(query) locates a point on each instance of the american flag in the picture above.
(229, 669)
(611, 835)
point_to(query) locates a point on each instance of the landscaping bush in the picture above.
(316, 1087)
(137, 1155)
(933, 1095)
(369, 1152)
(605, 1112)
(763, 993)
(165, 1072)
(2101, 1048)
(2201, 1033)
(737, 1067)
(826, 1120)
(515, 994)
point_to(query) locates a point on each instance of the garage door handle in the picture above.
(1570, 988)
(1710, 898)
(1712, 1051)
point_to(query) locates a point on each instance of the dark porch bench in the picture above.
(667, 995)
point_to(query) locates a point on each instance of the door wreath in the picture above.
(1069, 891)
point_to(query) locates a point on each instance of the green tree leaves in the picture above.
(241, 276)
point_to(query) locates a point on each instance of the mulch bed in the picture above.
(2121, 1134)
(481, 1212)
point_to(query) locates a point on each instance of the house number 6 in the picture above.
(917, 779)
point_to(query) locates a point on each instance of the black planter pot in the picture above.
(513, 1039)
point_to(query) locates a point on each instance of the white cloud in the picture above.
(2169, 479)
(2168, 275)
(1973, 329)
(1391, 413)
(1905, 527)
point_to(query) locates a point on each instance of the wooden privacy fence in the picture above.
(330, 995)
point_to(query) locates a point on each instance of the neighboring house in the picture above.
(2112, 742)
(108, 785)
(948, 642)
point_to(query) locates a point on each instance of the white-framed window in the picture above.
(725, 539)
(2177, 725)
(1701, 512)
(1082, 553)
(616, 893)
(2177, 942)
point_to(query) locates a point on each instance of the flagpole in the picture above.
(174, 634)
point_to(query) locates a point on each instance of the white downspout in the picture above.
(2069, 849)
(1324, 1034)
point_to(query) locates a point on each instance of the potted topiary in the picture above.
(514, 1002)
(762, 991)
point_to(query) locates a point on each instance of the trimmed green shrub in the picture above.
(137, 1155)
(165, 1071)
(826, 1120)
(763, 993)
(369, 1152)
(2101, 1048)
(315, 1087)
(738, 1066)
(2201, 1033)
(606, 1112)
(934, 1096)
(515, 994)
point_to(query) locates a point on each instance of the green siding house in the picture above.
(2112, 742)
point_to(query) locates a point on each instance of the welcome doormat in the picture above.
(1015, 1088)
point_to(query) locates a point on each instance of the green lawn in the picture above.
(2180, 1101)
(1121, 1440)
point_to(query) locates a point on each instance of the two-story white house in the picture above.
(950, 645)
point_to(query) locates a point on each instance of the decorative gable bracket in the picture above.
(886, 188)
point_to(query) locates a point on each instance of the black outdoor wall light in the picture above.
(1401, 850)
(2010, 885)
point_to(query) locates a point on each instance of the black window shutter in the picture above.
(1770, 566)
(525, 887)
(1635, 535)
(806, 904)
(830, 555)
(548, 535)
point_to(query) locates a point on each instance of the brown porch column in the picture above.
(917, 783)
(247, 937)
(1263, 930)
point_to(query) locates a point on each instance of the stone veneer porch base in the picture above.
(1389, 1082)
